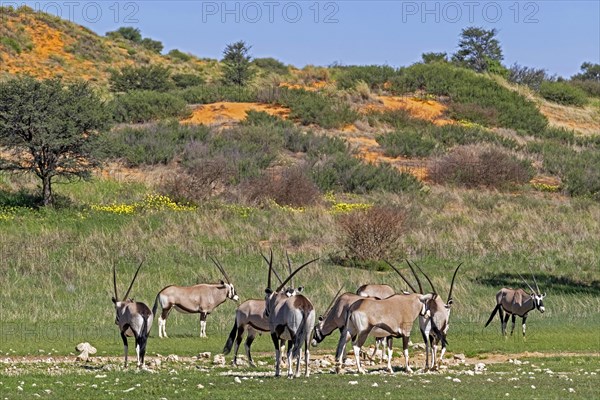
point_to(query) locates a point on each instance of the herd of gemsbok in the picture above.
(289, 316)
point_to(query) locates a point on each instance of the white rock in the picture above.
(219, 359)
(456, 380)
(86, 350)
(532, 386)
(206, 354)
(237, 380)
(571, 390)
(517, 362)
(200, 386)
(459, 356)
(173, 357)
(375, 384)
(479, 367)
(353, 382)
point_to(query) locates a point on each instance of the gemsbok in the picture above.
(198, 299)
(439, 315)
(515, 302)
(250, 317)
(290, 318)
(334, 318)
(133, 318)
(394, 315)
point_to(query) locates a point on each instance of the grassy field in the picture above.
(56, 273)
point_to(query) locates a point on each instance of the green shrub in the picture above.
(345, 173)
(261, 118)
(271, 65)
(184, 81)
(143, 106)
(466, 87)
(207, 94)
(152, 77)
(11, 44)
(453, 134)
(375, 76)
(563, 93)
(473, 112)
(578, 170)
(592, 88)
(151, 144)
(153, 45)
(179, 55)
(408, 142)
(315, 108)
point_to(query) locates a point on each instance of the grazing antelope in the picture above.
(439, 315)
(335, 318)
(134, 319)
(394, 315)
(291, 318)
(515, 302)
(250, 317)
(201, 298)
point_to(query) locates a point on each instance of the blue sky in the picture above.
(555, 35)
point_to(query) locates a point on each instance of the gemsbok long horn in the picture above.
(401, 276)
(452, 284)
(528, 285)
(333, 301)
(534, 281)
(416, 277)
(220, 268)
(133, 280)
(426, 277)
(292, 274)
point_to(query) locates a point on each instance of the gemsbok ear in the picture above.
(268, 291)
(321, 318)
(222, 282)
(300, 289)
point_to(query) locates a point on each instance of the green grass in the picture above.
(573, 378)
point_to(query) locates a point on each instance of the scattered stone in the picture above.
(456, 380)
(532, 386)
(237, 380)
(200, 386)
(219, 359)
(155, 363)
(419, 346)
(517, 362)
(173, 358)
(479, 367)
(325, 363)
(353, 382)
(85, 350)
(262, 363)
(375, 384)
(459, 356)
(128, 390)
(571, 390)
(206, 354)
(469, 372)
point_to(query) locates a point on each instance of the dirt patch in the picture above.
(227, 112)
(429, 110)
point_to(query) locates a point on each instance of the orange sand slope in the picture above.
(429, 110)
(224, 112)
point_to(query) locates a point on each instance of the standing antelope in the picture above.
(517, 302)
(439, 315)
(201, 298)
(291, 318)
(394, 315)
(133, 318)
(250, 317)
(335, 318)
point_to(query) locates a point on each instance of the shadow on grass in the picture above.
(27, 199)
(547, 283)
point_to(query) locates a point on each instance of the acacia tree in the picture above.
(478, 49)
(50, 129)
(236, 64)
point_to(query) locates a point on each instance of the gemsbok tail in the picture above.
(301, 335)
(231, 338)
(493, 315)
(155, 306)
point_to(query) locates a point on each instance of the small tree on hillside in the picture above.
(152, 45)
(432, 57)
(589, 72)
(236, 60)
(50, 129)
(126, 32)
(478, 49)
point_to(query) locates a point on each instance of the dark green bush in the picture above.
(563, 93)
(144, 106)
(314, 108)
(207, 94)
(473, 112)
(271, 65)
(179, 55)
(184, 81)
(152, 77)
(153, 45)
(409, 142)
(315, 146)
(261, 118)
(466, 87)
(375, 76)
(592, 88)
